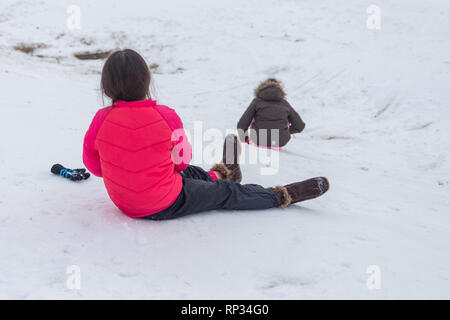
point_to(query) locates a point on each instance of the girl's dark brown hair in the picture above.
(126, 76)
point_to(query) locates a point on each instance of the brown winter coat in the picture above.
(269, 110)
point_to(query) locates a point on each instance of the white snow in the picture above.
(381, 95)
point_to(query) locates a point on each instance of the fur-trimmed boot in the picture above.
(230, 169)
(301, 191)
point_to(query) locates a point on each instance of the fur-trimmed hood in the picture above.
(270, 89)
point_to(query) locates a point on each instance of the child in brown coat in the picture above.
(267, 112)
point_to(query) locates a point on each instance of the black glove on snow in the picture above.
(74, 175)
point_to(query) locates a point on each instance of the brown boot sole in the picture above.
(323, 185)
(231, 161)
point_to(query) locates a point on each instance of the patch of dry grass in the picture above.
(29, 48)
(98, 55)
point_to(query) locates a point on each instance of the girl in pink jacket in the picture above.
(140, 149)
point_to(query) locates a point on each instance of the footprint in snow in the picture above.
(287, 281)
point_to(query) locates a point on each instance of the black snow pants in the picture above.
(201, 193)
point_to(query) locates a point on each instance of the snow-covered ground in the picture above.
(377, 112)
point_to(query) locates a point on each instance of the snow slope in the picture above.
(376, 105)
